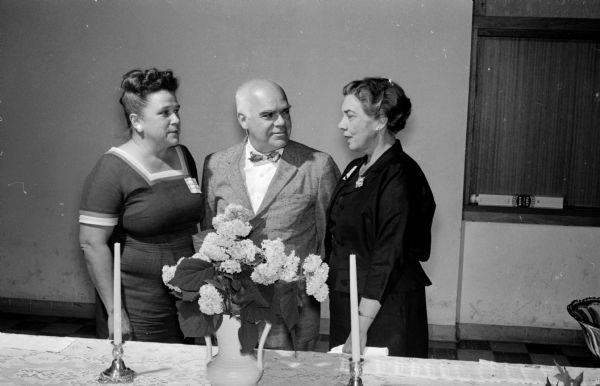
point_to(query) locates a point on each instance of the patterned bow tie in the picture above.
(258, 157)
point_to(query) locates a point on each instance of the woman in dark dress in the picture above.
(145, 195)
(381, 211)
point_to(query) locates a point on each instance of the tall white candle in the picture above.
(354, 311)
(117, 295)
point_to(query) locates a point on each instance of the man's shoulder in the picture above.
(224, 155)
(307, 152)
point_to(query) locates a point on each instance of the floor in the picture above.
(469, 350)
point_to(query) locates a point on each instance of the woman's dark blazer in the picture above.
(386, 222)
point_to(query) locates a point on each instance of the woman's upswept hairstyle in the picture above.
(381, 97)
(137, 84)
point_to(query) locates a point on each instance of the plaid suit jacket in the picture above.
(296, 201)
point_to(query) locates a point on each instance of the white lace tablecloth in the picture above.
(36, 360)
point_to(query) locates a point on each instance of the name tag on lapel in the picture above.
(192, 185)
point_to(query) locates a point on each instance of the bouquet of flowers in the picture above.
(231, 275)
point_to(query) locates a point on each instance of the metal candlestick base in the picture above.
(355, 372)
(117, 372)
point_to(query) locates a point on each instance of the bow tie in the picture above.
(258, 157)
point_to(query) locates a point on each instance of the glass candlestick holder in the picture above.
(117, 372)
(355, 372)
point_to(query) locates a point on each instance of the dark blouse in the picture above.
(384, 217)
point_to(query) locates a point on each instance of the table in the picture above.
(43, 360)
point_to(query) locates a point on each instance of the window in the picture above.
(534, 117)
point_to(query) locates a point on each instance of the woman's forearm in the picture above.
(367, 311)
(99, 263)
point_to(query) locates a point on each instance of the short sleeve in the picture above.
(102, 197)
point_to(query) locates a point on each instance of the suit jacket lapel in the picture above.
(235, 174)
(342, 182)
(285, 171)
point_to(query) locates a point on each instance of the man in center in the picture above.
(286, 185)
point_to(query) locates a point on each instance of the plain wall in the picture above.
(526, 275)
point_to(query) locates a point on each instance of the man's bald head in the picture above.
(256, 90)
(264, 112)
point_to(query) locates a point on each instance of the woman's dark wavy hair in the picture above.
(138, 84)
(381, 97)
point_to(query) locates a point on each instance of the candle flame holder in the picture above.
(355, 372)
(117, 372)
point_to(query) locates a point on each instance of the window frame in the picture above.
(521, 27)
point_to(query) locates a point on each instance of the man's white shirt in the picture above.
(258, 176)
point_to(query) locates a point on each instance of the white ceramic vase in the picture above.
(230, 367)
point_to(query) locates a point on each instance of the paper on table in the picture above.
(34, 342)
(369, 351)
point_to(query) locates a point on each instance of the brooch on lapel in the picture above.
(359, 182)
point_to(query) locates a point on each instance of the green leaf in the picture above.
(217, 284)
(236, 284)
(286, 299)
(248, 336)
(579, 380)
(564, 376)
(267, 292)
(189, 296)
(253, 314)
(191, 274)
(192, 322)
(216, 321)
(285, 304)
(249, 293)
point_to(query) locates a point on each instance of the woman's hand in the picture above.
(363, 343)
(125, 326)
(367, 311)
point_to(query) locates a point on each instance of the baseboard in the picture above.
(47, 307)
(442, 332)
(462, 331)
(525, 334)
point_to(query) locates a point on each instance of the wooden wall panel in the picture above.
(534, 104)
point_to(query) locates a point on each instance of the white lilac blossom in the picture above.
(219, 240)
(230, 266)
(316, 282)
(212, 249)
(320, 294)
(289, 271)
(276, 265)
(243, 251)
(233, 228)
(168, 273)
(273, 249)
(236, 211)
(231, 258)
(210, 301)
(201, 256)
(234, 222)
(311, 263)
(265, 274)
